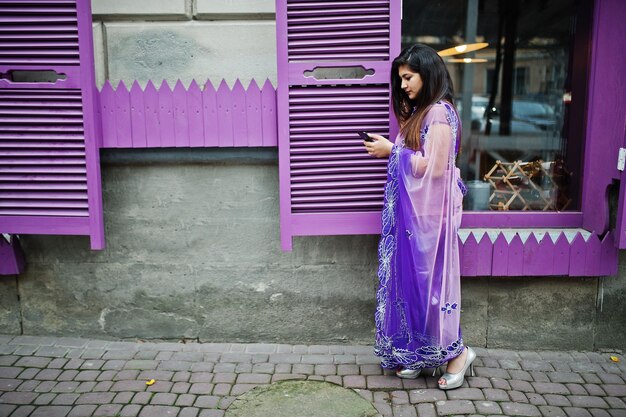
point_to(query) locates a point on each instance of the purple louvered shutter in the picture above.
(328, 183)
(49, 162)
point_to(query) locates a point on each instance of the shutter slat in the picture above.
(46, 184)
(43, 212)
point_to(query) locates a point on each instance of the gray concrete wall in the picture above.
(193, 251)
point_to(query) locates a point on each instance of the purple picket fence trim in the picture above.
(188, 117)
(608, 255)
(470, 258)
(515, 265)
(500, 257)
(11, 256)
(577, 257)
(484, 254)
(561, 256)
(592, 258)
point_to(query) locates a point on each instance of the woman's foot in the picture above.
(456, 369)
(408, 373)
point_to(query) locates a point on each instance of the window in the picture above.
(523, 136)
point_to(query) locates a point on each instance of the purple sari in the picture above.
(419, 297)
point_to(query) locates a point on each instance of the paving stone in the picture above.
(286, 377)
(126, 375)
(141, 364)
(142, 397)
(383, 408)
(595, 390)
(517, 397)
(586, 401)
(500, 383)
(108, 410)
(157, 375)
(121, 354)
(520, 409)
(203, 388)
(465, 394)
(188, 356)
(615, 402)
(189, 412)
(207, 401)
(285, 358)
(10, 384)
(239, 389)
(123, 397)
(86, 386)
(44, 399)
(145, 354)
(45, 386)
(158, 411)
(317, 359)
(92, 364)
(523, 386)
(539, 376)
(51, 411)
(185, 400)
(23, 411)
(493, 394)
(162, 398)
(6, 409)
(509, 364)
(325, 369)
(57, 363)
(65, 399)
(243, 368)
(412, 384)
(224, 368)
(263, 368)
(478, 382)
(550, 388)
(164, 356)
(426, 410)
(344, 359)
(92, 353)
(591, 378)
(445, 408)
(615, 390)
(399, 397)
(222, 389)
(95, 398)
(576, 412)
(211, 413)
(557, 400)
(236, 357)
(18, 397)
(564, 377)
(181, 387)
(87, 376)
(535, 399)
(576, 389)
(33, 362)
(492, 372)
(551, 411)
(367, 360)
(403, 411)
(283, 368)
(225, 402)
(354, 381)
(8, 360)
(73, 364)
(544, 366)
(617, 413)
(383, 382)
(610, 378)
(201, 377)
(301, 368)
(253, 379)
(129, 385)
(24, 386)
(426, 396)
(106, 376)
(29, 373)
(598, 412)
(115, 365)
(487, 407)
(48, 374)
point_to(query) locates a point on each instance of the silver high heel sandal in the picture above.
(456, 380)
(408, 373)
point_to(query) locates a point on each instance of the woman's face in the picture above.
(411, 81)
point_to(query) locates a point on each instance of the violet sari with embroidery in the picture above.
(419, 297)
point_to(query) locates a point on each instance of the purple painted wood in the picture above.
(137, 117)
(254, 117)
(561, 256)
(521, 219)
(578, 256)
(470, 257)
(515, 265)
(166, 116)
(269, 114)
(592, 255)
(500, 260)
(151, 113)
(108, 109)
(181, 121)
(605, 124)
(209, 103)
(538, 256)
(224, 115)
(194, 111)
(484, 256)
(609, 255)
(239, 109)
(123, 130)
(11, 256)
(63, 170)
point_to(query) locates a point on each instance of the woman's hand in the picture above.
(380, 148)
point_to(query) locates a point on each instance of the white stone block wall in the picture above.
(184, 40)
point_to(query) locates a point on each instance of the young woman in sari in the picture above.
(419, 297)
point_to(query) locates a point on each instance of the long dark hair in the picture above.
(437, 85)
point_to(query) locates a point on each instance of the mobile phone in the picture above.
(365, 137)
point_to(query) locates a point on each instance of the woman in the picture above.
(418, 300)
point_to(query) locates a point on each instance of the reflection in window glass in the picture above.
(525, 98)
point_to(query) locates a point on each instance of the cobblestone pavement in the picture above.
(49, 376)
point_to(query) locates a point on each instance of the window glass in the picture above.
(524, 90)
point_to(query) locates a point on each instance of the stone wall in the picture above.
(193, 247)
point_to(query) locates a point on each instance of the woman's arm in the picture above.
(434, 161)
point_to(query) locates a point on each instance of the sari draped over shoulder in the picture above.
(418, 298)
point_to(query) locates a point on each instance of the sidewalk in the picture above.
(58, 377)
